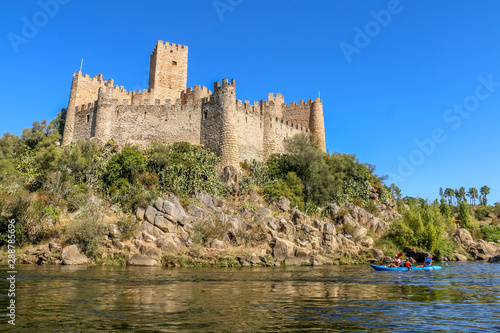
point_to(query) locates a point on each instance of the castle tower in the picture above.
(278, 104)
(106, 105)
(84, 90)
(226, 97)
(168, 70)
(317, 123)
(69, 125)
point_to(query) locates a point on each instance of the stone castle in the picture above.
(168, 112)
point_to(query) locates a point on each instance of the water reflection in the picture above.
(345, 298)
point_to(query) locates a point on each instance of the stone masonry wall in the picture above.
(249, 130)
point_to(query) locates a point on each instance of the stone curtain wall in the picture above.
(147, 124)
(249, 130)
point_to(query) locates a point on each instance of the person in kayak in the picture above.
(407, 263)
(427, 261)
(397, 262)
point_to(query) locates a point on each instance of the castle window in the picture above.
(88, 118)
(144, 115)
(189, 116)
(117, 114)
(174, 63)
(206, 114)
(271, 125)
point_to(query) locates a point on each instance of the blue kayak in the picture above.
(385, 268)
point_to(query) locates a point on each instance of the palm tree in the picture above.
(485, 190)
(473, 195)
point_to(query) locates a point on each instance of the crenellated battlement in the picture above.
(161, 45)
(195, 95)
(224, 83)
(85, 107)
(247, 107)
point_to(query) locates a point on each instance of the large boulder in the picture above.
(140, 213)
(283, 204)
(151, 229)
(286, 227)
(150, 214)
(71, 255)
(283, 249)
(464, 237)
(113, 231)
(141, 260)
(359, 232)
(377, 254)
(366, 241)
(217, 244)
(495, 259)
(199, 213)
(169, 243)
(150, 251)
(329, 229)
(174, 212)
(460, 257)
(416, 254)
(164, 224)
(206, 199)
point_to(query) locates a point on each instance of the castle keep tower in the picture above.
(168, 70)
(167, 112)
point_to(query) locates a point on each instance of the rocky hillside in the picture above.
(210, 231)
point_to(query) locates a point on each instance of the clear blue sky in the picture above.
(389, 72)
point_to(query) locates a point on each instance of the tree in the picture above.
(441, 193)
(485, 190)
(444, 208)
(457, 196)
(396, 191)
(472, 195)
(462, 193)
(449, 193)
(464, 216)
(125, 166)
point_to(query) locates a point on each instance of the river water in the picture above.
(458, 298)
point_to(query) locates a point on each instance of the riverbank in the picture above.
(207, 231)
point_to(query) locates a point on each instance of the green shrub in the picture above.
(481, 212)
(491, 232)
(291, 188)
(89, 231)
(422, 226)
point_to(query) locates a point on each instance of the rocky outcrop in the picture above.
(71, 255)
(416, 254)
(141, 260)
(460, 257)
(480, 250)
(495, 259)
(463, 237)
